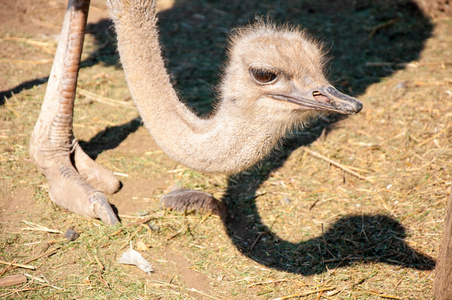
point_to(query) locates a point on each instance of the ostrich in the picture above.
(273, 82)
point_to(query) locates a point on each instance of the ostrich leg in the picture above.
(76, 182)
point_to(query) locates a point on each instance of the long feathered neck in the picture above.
(228, 142)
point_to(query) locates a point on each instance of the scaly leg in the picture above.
(77, 183)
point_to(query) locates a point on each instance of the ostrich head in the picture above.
(279, 72)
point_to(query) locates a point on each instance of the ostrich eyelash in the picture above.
(262, 76)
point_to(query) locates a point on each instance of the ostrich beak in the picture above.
(326, 99)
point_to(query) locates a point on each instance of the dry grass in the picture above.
(300, 226)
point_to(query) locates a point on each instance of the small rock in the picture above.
(71, 235)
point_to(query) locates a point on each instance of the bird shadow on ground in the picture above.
(386, 33)
(350, 239)
(368, 40)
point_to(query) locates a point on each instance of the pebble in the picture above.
(71, 235)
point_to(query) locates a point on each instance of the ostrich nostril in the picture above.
(319, 97)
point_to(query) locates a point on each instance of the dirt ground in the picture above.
(299, 226)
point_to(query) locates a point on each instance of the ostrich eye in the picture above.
(263, 76)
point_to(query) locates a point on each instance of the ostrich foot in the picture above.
(94, 174)
(76, 182)
(186, 200)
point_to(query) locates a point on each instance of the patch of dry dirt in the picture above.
(40, 20)
(41, 17)
(182, 266)
(137, 193)
(17, 207)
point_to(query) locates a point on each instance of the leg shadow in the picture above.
(105, 53)
(109, 138)
(4, 95)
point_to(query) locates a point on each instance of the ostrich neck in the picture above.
(224, 143)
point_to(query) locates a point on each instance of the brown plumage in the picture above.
(184, 200)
